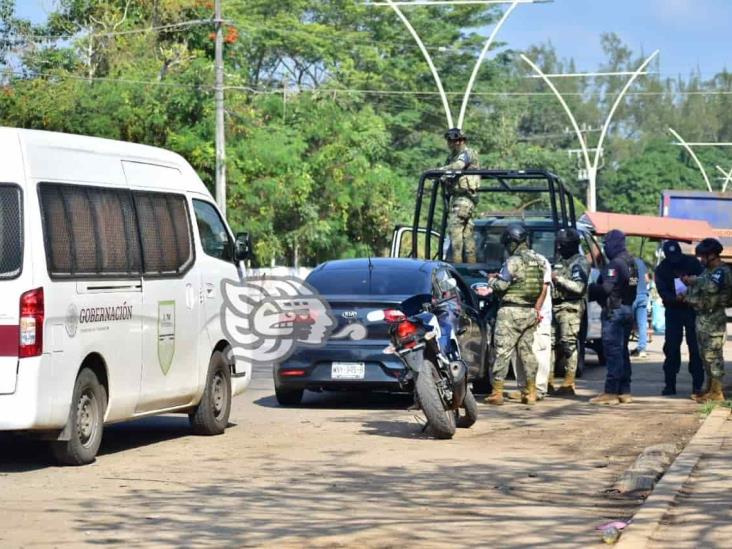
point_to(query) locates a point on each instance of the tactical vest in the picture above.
(528, 283)
(466, 185)
(564, 269)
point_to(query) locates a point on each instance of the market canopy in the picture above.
(649, 226)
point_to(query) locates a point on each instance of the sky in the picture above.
(691, 34)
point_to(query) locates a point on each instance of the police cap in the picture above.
(514, 232)
(709, 246)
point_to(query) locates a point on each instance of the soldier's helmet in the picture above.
(453, 134)
(568, 237)
(568, 241)
(709, 246)
(515, 233)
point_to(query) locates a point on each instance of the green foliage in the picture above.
(326, 133)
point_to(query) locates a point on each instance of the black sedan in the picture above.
(353, 288)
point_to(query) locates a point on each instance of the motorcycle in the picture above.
(423, 336)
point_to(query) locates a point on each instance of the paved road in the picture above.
(345, 470)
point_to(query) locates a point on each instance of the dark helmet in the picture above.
(514, 233)
(709, 246)
(568, 237)
(453, 134)
(568, 241)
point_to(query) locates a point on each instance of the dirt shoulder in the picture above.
(344, 470)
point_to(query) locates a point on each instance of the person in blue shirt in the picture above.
(640, 309)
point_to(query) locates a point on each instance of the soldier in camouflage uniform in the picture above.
(570, 276)
(709, 294)
(463, 192)
(520, 286)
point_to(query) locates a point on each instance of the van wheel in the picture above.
(211, 416)
(86, 422)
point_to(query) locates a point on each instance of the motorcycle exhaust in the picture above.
(459, 373)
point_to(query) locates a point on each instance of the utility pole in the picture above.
(219, 98)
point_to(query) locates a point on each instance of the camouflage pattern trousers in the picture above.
(566, 331)
(711, 333)
(515, 329)
(461, 229)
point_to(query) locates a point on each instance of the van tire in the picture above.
(211, 416)
(86, 422)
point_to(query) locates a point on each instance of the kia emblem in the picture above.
(350, 315)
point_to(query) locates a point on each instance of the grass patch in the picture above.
(706, 408)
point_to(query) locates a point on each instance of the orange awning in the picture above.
(649, 226)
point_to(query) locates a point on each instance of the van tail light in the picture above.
(406, 332)
(32, 313)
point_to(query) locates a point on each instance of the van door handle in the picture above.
(210, 289)
(190, 297)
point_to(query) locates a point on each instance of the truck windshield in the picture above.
(11, 231)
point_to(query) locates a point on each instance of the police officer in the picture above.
(463, 192)
(615, 290)
(521, 288)
(680, 317)
(570, 276)
(710, 293)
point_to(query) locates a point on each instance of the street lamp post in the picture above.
(591, 166)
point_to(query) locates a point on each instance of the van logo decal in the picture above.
(166, 335)
(72, 320)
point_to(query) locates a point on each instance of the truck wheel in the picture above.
(470, 406)
(211, 416)
(441, 422)
(86, 422)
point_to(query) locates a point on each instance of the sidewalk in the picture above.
(702, 513)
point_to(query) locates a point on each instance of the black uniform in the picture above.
(680, 317)
(615, 290)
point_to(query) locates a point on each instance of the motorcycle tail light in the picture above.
(394, 316)
(406, 332)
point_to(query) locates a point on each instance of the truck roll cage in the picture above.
(535, 181)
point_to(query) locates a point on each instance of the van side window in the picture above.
(89, 231)
(11, 231)
(215, 239)
(165, 233)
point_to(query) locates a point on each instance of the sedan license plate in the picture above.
(348, 370)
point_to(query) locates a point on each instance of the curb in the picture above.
(648, 518)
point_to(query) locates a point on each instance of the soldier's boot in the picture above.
(715, 393)
(496, 397)
(606, 399)
(568, 388)
(529, 393)
(703, 396)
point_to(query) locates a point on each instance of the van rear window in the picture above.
(89, 231)
(11, 231)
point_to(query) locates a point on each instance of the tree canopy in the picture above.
(331, 111)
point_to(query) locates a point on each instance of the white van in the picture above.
(111, 258)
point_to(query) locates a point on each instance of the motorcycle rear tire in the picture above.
(441, 422)
(470, 409)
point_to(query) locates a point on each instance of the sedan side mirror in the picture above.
(243, 247)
